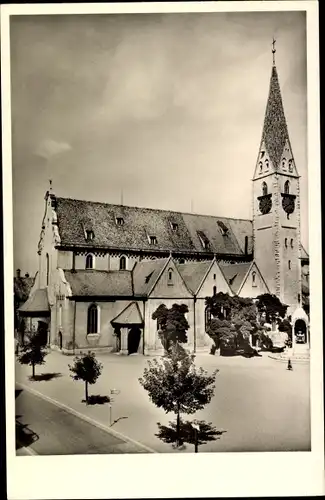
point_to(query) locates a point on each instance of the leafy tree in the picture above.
(206, 432)
(33, 352)
(285, 326)
(86, 368)
(175, 384)
(233, 320)
(173, 324)
(271, 306)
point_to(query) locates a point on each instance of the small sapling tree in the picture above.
(86, 368)
(194, 432)
(175, 384)
(33, 352)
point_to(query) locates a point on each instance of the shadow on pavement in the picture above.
(45, 377)
(24, 435)
(97, 400)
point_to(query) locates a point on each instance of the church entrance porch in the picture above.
(128, 327)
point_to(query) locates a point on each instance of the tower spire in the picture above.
(273, 50)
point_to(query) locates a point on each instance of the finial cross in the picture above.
(273, 49)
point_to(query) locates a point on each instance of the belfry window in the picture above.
(89, 261)
(286, 242)
(122, 263)
(287, 187)
(290, 166)
(291, 242)
(92, 319)
(264, 188)
(283, 162)
(289, 264)
(261, 166)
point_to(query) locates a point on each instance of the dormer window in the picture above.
(89, 235)
(153, 240)
(204, 240)
(174, 226)
(223, 228)
(119, 221)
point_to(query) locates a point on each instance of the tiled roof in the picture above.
(73, 216)
(37, 303)
(234, 274)
(193, 273)
(100, 283)
(275, 132)
(145, 274)
(131, 315)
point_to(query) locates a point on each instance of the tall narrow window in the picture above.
(246, 245)
(92, 319)
(286, 242)
(122, 263)
(291, 242)
(47, 268)
(214, 290)
(90, 261)
(60, 317)
(289, 264)
(287, 187)
(170, 277)
(264, 188)
(254, 278)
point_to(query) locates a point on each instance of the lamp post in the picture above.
(196, 428)
(112, 391)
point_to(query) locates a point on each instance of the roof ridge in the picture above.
(152, 209)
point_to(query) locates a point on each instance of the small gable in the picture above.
(170, 283)
(213, 282)
(264, 164)
(287, 163)
(253, 283)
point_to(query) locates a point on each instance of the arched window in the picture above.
(289, 264)
(261, 166)
(122, 263)
(182, 261)
(207, 317)
(264, 188)
(170, 276)
(214, 290)
(92, 319)
(287, 187)
(283, 162)
(267, 163)
(47, 268)
(90, 261)
(254, 278)
(290, 166)
(291, 242)
(286, 242)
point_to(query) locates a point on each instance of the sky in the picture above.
(166, 108)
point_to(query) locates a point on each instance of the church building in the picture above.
(104, 269)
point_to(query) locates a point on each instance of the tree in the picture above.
(33, 352)
(86, 368)
(173, 324)
(232, 321)
(175, 384)
(285, 326)
(271, 307)
(189, 434)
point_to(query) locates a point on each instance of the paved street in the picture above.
(261, 405)
(46, 429)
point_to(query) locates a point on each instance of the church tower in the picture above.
(276, 204)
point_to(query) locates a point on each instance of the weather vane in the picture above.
(273, 50)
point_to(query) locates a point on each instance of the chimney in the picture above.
(18, 273)
(27, 275)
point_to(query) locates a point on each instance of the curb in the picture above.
(293, 360)
(89, 420)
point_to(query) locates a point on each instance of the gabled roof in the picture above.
(146, 274)
(100, 283)
(235, 274)
(37, 304)
(174, 231)
(131, 315)
(193, 273)
(275, 131)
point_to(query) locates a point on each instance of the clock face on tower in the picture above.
(288, 203)
(265, 203)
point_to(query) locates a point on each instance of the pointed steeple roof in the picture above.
(275, 131)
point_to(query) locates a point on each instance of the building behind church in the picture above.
(104, 269)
